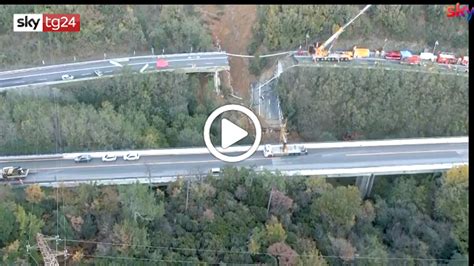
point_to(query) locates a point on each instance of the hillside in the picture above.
(309, 221)
(415, 27)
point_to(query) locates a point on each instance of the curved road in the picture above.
(196, 62)
(50, 170)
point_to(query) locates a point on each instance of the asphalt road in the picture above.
(84, 70)
(371, 61)
(49, 170)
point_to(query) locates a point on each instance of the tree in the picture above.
(338, 208)
(275, 232)
(285, 255)
(131, 238)
(280, 204)
(313, 257)
(29, 226)
(343, 248)
(139, 202)
(452, 204)
(34, 194)
(7, 223)
(89, 227)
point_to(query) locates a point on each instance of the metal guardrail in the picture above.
(329, 173)
(202, 150)
(106, 60)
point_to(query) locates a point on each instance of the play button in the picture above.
(232, 133)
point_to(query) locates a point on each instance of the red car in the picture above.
(161, 63)
(412, 60)
(393, 55)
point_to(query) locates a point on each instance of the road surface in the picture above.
(50, 170)
(85, 70)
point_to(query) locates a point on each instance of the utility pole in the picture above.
(306, 42)
(49, 257)
(187, 194)
(436, 44)
(269, 201)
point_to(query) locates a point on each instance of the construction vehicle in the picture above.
(428, 57)
(393, 55)
(360, 52)
(412, 60)
(14, 172)
(320, 53)
(446, 58)
(283, 149)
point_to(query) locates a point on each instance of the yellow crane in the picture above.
(321, 50)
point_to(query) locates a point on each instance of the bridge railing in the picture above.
(203, 150)
(329, 173)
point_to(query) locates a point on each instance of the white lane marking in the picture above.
(32, 160)
(84, 74)
(115, 63)
(108, 71)
(399, 152)
(95, 68)
(209, 63)
(19, 82)
(143, 68)
(43, 79)
(135, 164)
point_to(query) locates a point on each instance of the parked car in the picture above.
(98, 73)
(215, 171)
(83, 158)
(133, 156)
(109, 158)
(393, 55)
(161, 63)
(67, 77)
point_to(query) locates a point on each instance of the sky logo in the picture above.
(460, 11)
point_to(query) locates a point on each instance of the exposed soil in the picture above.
(231, 27)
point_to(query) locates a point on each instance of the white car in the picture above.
(215, 171)
(131, 156)
(109, 158)
(98, 73)
(67, 77)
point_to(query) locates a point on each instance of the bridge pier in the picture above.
(217, 81)
(365, 183)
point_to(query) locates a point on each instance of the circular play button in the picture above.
(232, 133)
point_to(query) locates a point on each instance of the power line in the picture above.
(256, 253)
(133, 258)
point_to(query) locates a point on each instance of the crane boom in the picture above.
(322, 48)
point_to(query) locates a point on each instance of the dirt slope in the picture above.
(231, 27)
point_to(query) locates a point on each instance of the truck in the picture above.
(446, 58)
(428, 57)
(14, 172)
(284, 150)
(322, 52)
(393, 55)
(361, 52)
(412, 60)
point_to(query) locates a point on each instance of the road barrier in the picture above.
(106, 60)
(329, 173)
(234, 149)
